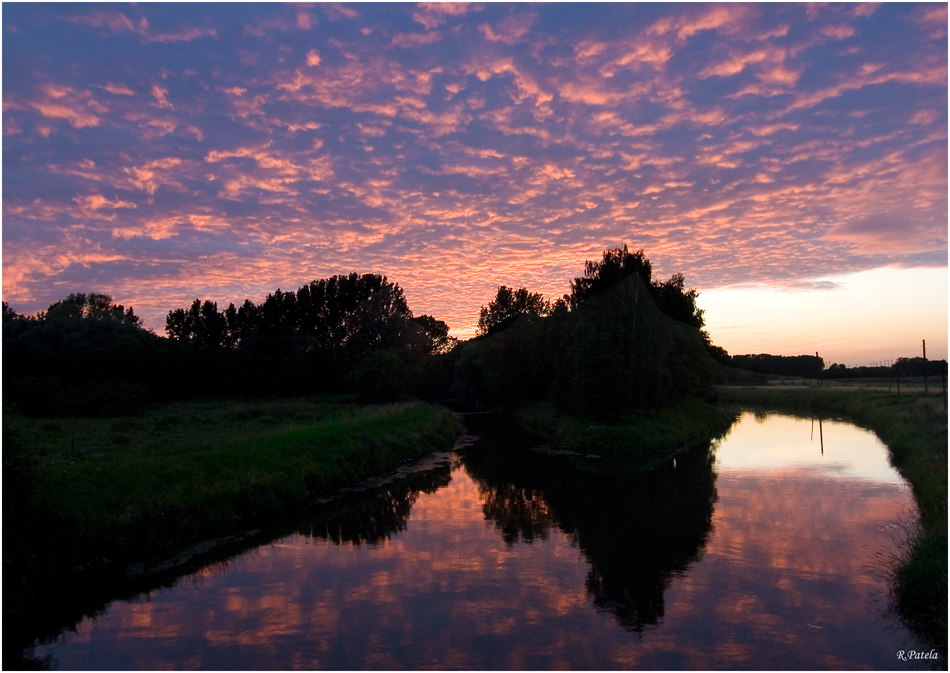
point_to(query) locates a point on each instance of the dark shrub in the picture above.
(379, 377)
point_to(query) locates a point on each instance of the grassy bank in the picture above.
(914, 428)
(97, 494)
(639, 440)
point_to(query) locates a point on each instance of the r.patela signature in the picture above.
(908, 655)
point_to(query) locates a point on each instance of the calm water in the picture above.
(760, 551)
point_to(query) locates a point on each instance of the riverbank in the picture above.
(640, 440)
(914, 428)
(92, 496)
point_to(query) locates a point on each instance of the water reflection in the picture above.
(364, 516)
(509, 559)
(637, 531)
(369, 518)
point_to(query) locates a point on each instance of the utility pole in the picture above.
(926, 389)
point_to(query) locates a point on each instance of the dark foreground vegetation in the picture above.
(91, 496)
(914, 428)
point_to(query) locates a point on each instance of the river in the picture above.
(764, 549)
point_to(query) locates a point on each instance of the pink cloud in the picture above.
(260, 28)
(89, 206)
(415, 39)
(727, 19)
(838, 32)
(160, 93)
(338, 11)
(76, 118)
(932, 19)
(813, 8)
(114, 20)
(162, 228)
(305, 20)
(11, 126)
(865, 9)
(118, 89)
(510, 30)
(586, 49)
(780, 75)
(156, 128)
(118, 22)
(924, 117)
(184, 35)
(433, 14)
(640, 52)
(150, 176)
(737, 63)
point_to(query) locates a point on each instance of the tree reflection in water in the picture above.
(376, 516)
(637, 531)
(365, 517)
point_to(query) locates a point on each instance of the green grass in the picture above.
(914, 428)
(637, 441)
(101, 493)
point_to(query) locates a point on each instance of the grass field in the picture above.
(92, 494)
(914, 428)
(935, 385)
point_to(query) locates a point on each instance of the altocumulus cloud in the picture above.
(166, 152)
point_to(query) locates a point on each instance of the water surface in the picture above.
(761, 550)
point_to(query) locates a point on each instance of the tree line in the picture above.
(617, 340)
(906, 367)
(806, 366)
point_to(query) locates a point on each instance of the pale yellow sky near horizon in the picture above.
(856, 319)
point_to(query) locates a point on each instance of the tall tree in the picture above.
(353, 313)
(507, 305)
(616, 264)
(670, 296)
(437, 332)
(94, 306)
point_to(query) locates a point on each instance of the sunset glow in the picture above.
(789, 160)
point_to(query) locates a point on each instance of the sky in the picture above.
(790, 160)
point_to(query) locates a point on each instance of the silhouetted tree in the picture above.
(94, 306)
(437, 332)
(718, 353)
(616, 264)
(807, 366)
(607, 349)
(201, 324)
(83, 355)
(670, 296)
(676, 301)
(507, 305)
(9, 315)
(355, 313)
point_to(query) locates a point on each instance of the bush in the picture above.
(42, 396)
(379, 377)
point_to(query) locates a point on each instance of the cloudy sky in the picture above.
(789, 159)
